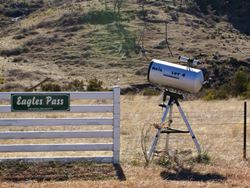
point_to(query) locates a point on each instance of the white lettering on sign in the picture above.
(19, 100)
(35, 102)
(50, 101)
(29, 102)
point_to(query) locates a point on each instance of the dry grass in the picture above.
(218, 127)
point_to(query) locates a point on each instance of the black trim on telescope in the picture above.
(150, 65)
(170, 76)
(173, 95)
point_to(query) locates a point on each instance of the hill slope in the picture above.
(67, 40)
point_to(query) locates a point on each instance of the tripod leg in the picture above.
(169, 125)
(197, 145)
(157, 136)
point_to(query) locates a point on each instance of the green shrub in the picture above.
(192, 6)
(75, 85)
(1, 81)
(14, 51)
(245, 95)
(20, 8)
(95, 85)
(51, 87)
(100, 17)
(17, 59)
(92, 17)
(210, 95)
(240, 82)
(238, 85)
(18, 37)
(222, 94)
(216, 94)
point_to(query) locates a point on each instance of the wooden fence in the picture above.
(113, 108)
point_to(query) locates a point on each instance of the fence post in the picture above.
(116, 125)
(245, 132)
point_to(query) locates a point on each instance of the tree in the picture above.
(106, 6)
(118, 5)
(240, 82)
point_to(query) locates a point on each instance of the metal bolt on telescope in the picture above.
(179, 77)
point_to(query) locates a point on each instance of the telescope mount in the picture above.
(168, 111)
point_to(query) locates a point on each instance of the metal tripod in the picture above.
(168, 107)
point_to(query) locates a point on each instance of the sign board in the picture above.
(40, 102)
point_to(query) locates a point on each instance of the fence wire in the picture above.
(220, 132)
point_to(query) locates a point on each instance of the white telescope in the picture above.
(175, 76)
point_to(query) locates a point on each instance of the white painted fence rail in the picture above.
(113, 108)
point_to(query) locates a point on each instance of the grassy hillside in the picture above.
(67, 40)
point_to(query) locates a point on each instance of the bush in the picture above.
(39, 41)
(222, 94)
(9, 12)
(236, 85)
(1, 81)
(51, 87)
(217, 94)
(75, 85)
(246, 95)
(92, 17)
(18, 37)
(73, 28)
(240, 82)
(17, 59)
(95, 85)
(174, 15)
(209, 95)
(100, 17)
(15, 9)
(14, 51)
(207, 6)
(192, 6)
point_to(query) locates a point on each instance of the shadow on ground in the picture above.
(187, 175)
(59, 171)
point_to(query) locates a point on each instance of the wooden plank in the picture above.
(92, 95)
(73, 95)
(54, 121)
(55, 134)
(98, 159)
(92, 108)
(56, 147)
(73, 108)
(5, 108)
(116, 125)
